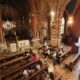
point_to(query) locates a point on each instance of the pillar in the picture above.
(1, 32)
(33, 27)
(55, 25)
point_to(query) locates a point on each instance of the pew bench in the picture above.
(4, 75)
(64, 56)
(12, 62)
(10, 57)
(72, 63)
(36, 73)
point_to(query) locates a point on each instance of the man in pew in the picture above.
(46, 51)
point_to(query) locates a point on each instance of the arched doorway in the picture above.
(69, 17)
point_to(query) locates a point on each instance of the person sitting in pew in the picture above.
(46, 51)
(46, 61)
(60, 52)
(38, 66)
(31, 71)
(33, 57)
(26, 73)
(50, 48)
(54, 57)
(58, 58)
(25, 53)
(30, 51)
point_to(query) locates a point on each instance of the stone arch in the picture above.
(64, 6)
(77, 9)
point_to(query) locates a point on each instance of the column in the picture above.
(33, 28)
(53, 26)
(1, 32)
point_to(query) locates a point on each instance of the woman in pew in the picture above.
(33, 57)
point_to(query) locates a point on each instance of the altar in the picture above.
(22, 45)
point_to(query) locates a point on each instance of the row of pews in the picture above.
(37, 75)
(13, 66)
(72, 63)
(63, 57)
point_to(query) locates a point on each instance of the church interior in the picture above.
(39, 40)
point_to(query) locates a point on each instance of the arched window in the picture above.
(62, 25)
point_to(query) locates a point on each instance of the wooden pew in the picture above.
(36, 73)
(4, 74)
(57, 76)
(64, 56)
(72, 62)
(13, 61)
(11, 56)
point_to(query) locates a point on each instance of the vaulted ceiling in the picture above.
(72, 7)
(41, 8)
(24, 7)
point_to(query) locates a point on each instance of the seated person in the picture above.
(25, 73)
(54, 57)
(38, 66)
(31, 71)
(58, 58)
(41, 49)
(46, 61)
(25, 53)
(46, 51)
(60, 52)
(50, 48)
(30, 51)
(34, 57)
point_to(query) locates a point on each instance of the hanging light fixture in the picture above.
(70, 21)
